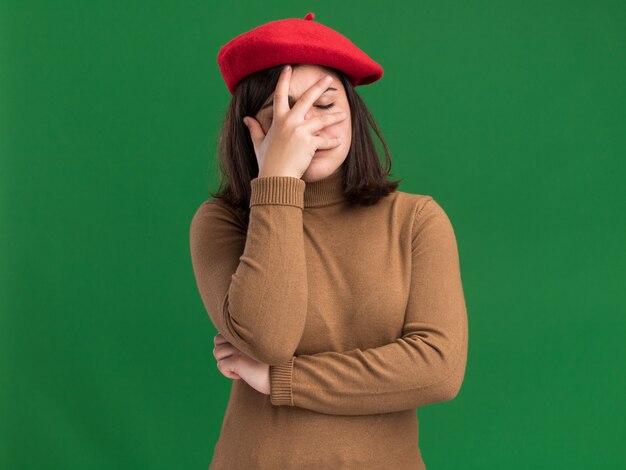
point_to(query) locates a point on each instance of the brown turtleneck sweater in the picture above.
(358, 310)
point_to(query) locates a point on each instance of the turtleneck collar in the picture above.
(327, 191)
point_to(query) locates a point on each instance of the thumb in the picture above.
(256, 132)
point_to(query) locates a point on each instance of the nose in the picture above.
(312, 113)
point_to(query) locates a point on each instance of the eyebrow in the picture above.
(291, 99)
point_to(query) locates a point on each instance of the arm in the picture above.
(426, 365)
(254, 284)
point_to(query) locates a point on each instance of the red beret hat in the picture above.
(294, 40)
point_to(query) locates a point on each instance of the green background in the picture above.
(511, 114)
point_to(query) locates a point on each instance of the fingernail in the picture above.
(245, 121)
(286, 68)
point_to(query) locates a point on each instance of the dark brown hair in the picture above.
(364, 179)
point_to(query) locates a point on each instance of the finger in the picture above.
(224, 350)
(309, 97)
(230, 375)
(226, 372)
(228, 364)
(318, 123)
(256, 131)
(219, 339)
(281, 94)
(324, 143)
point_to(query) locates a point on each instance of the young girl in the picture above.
(337, 298)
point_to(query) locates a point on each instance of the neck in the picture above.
(326, 191)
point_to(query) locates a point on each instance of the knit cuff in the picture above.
(285, 190)
(280, 383)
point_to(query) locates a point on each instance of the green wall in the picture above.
(511, 114)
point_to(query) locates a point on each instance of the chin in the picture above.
(321, 167)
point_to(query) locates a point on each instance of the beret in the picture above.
(294, 40)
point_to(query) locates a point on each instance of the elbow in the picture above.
(450, 375)
(455, 371)
(442, 391)
(269, 334)
(452, 388)
(456, 374)
(269, 345)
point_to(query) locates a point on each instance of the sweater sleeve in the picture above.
(253, 282)
(426, 365)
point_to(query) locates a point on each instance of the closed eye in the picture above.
(326, 106)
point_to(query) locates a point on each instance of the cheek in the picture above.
(346, 129)
(341, 128)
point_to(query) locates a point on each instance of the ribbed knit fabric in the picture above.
(359, 311)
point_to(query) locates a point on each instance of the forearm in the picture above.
(411, 372)
(253, 282)
(267, 299)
